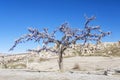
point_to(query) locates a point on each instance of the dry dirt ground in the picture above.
(75, 68)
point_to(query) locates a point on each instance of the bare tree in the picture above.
(70, 36)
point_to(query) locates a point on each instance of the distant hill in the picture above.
(21, 59)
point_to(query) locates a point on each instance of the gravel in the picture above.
(9, 74)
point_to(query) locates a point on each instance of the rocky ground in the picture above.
(75, 68)
(31, 75)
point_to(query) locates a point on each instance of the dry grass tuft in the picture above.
(76, 67)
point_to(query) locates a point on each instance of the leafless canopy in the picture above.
(70, 36)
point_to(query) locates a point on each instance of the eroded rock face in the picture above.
(106, 48)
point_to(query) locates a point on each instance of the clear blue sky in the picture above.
(17, 15)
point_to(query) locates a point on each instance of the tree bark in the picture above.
(60, 58)
(60, 61)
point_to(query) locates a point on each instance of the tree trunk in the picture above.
(60, 61)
